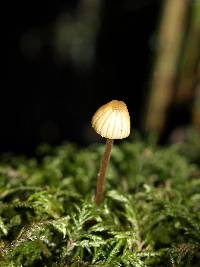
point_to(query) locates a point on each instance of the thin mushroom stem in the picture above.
(102, 171)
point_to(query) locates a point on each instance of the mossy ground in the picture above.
(150, 215)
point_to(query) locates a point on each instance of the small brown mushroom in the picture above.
(111, 121)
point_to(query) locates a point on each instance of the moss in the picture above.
(150, 215)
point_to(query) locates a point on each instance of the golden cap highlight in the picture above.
(112, 120)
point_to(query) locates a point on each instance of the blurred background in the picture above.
(66, 58)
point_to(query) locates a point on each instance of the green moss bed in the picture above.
(150, 215)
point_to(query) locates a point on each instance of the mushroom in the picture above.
(111, 121)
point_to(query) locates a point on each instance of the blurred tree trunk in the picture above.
(189, 73)
(189, 82)
(170, 36)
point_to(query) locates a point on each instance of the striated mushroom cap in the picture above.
(112, 120)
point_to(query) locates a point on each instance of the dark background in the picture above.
(52, 100)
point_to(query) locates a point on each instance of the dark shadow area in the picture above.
(50, 99)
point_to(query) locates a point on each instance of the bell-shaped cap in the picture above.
(112, 120)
